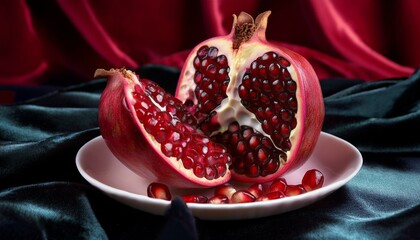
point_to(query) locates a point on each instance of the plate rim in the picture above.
(200, 210)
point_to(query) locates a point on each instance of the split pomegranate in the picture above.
(153, 134)
(261, 101)
(243, 107)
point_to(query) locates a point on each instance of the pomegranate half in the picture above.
(153, 134)
(262, 101)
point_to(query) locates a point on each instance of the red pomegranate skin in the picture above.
(130, 143)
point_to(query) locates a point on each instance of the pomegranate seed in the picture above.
(167, 149)
(274, 70)
(271, 166)
(202, 52)
(253, 170)
(194, 198)
(277, 86)
(271, 196)
(274, 121)
(247, 131)
(262, 70)
(218, 199)
(254, 141)
(266, 85)
(198, 169)
(293, 190)
(278, 185)
(293, 103)
(269, 56)
(313, 179)
(159, 191)
(225, 189)
(222, 60)
(188, 162)
(284, 63)
(256, 189)
(262, 155)
(220, 168)
(197, 63)
(212, 52)
(285, 130)
(240, 148)
(291, 86)
(242, 196)
(210, 173)
(286, 74)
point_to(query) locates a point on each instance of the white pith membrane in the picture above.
(138, 87)
(231, 108)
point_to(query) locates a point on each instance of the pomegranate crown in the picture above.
(244, 27)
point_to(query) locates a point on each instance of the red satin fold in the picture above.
(366, 39)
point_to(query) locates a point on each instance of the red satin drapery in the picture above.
(366, 39)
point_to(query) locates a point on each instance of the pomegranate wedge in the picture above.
(153, 134)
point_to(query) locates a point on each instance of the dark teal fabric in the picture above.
(43, 196)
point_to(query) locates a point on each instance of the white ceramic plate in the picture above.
(337, 159)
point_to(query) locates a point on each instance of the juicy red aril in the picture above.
(313, 179)
(271, 196)
(169, 122)
(273, 106)
(192, 198)
(278, 185)
(293, 190)
(242, 196)
(256, 189)
(211, 78)
(218, 199)
(252, 153)
(225, 189)
(159, 190)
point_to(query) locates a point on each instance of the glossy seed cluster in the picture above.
(167, 120)
(211, 78)
(253, 154)
(227, 193)
(268, 91)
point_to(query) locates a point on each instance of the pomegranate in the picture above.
(153, 134)
(262, 101)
